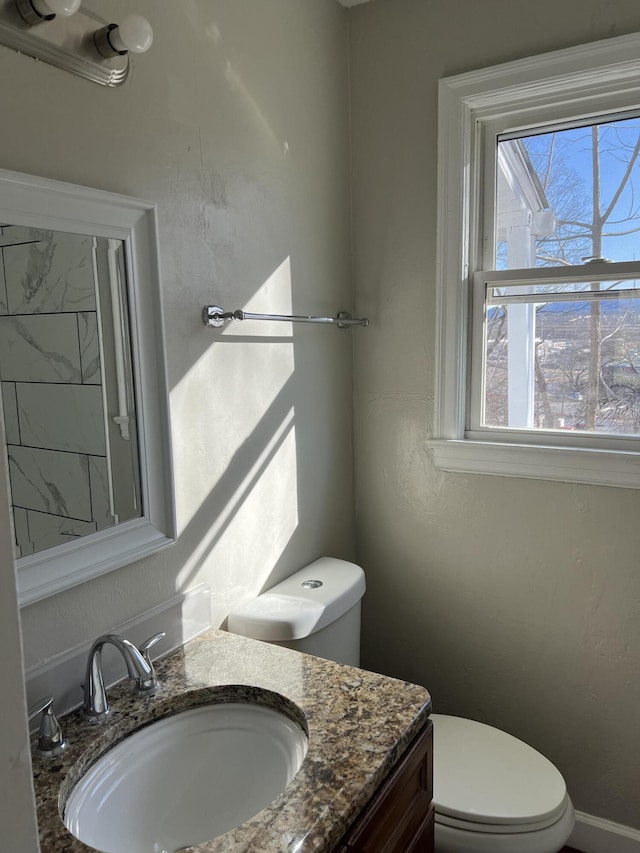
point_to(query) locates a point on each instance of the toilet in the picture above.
(492, 793)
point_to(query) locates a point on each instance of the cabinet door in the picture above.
(399, 817)
(423, 841)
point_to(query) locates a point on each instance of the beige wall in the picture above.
(514, 601)
(236, 124)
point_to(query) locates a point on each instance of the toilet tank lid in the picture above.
(291, 611)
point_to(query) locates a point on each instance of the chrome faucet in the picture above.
(95, 707)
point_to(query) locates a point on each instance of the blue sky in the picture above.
(571, 178)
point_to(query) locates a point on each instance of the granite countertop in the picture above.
(359, 724)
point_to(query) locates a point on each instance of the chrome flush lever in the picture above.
(51, 740)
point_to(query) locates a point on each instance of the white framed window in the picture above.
(538, 315)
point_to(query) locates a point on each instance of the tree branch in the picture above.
(623, 182)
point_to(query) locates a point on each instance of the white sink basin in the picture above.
(186, 779)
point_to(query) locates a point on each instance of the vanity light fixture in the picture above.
(37, 11)
(72, 38)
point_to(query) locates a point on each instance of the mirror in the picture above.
(83, 386)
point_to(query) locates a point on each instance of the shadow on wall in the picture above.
(273, 437)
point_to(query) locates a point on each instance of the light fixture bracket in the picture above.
(103, 43)
(30, 14)
(66, 42)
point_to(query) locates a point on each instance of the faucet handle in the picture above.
(144, 647)
(51, 740)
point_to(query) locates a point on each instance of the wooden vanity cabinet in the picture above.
(399, 816)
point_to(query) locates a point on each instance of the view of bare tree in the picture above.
(587, 351)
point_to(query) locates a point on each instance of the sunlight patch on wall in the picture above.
(259, 516)
(229, 405)
(260, 532)
(272, 297)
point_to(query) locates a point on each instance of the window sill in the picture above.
(562, 464)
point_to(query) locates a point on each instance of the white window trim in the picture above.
(585, 80)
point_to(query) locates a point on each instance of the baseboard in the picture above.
(597, 835)
(183, 617)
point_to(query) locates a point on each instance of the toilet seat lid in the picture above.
(484, 775)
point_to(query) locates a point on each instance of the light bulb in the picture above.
(46, 8)
(134, 33)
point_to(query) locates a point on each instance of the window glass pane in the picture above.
(568, 195)
(571, 362)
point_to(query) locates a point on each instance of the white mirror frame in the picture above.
(53, 205)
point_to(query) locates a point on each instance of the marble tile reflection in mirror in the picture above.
(67, 386)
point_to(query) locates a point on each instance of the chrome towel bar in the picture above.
(213, 316)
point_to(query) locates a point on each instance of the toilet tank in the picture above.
(316, 610)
